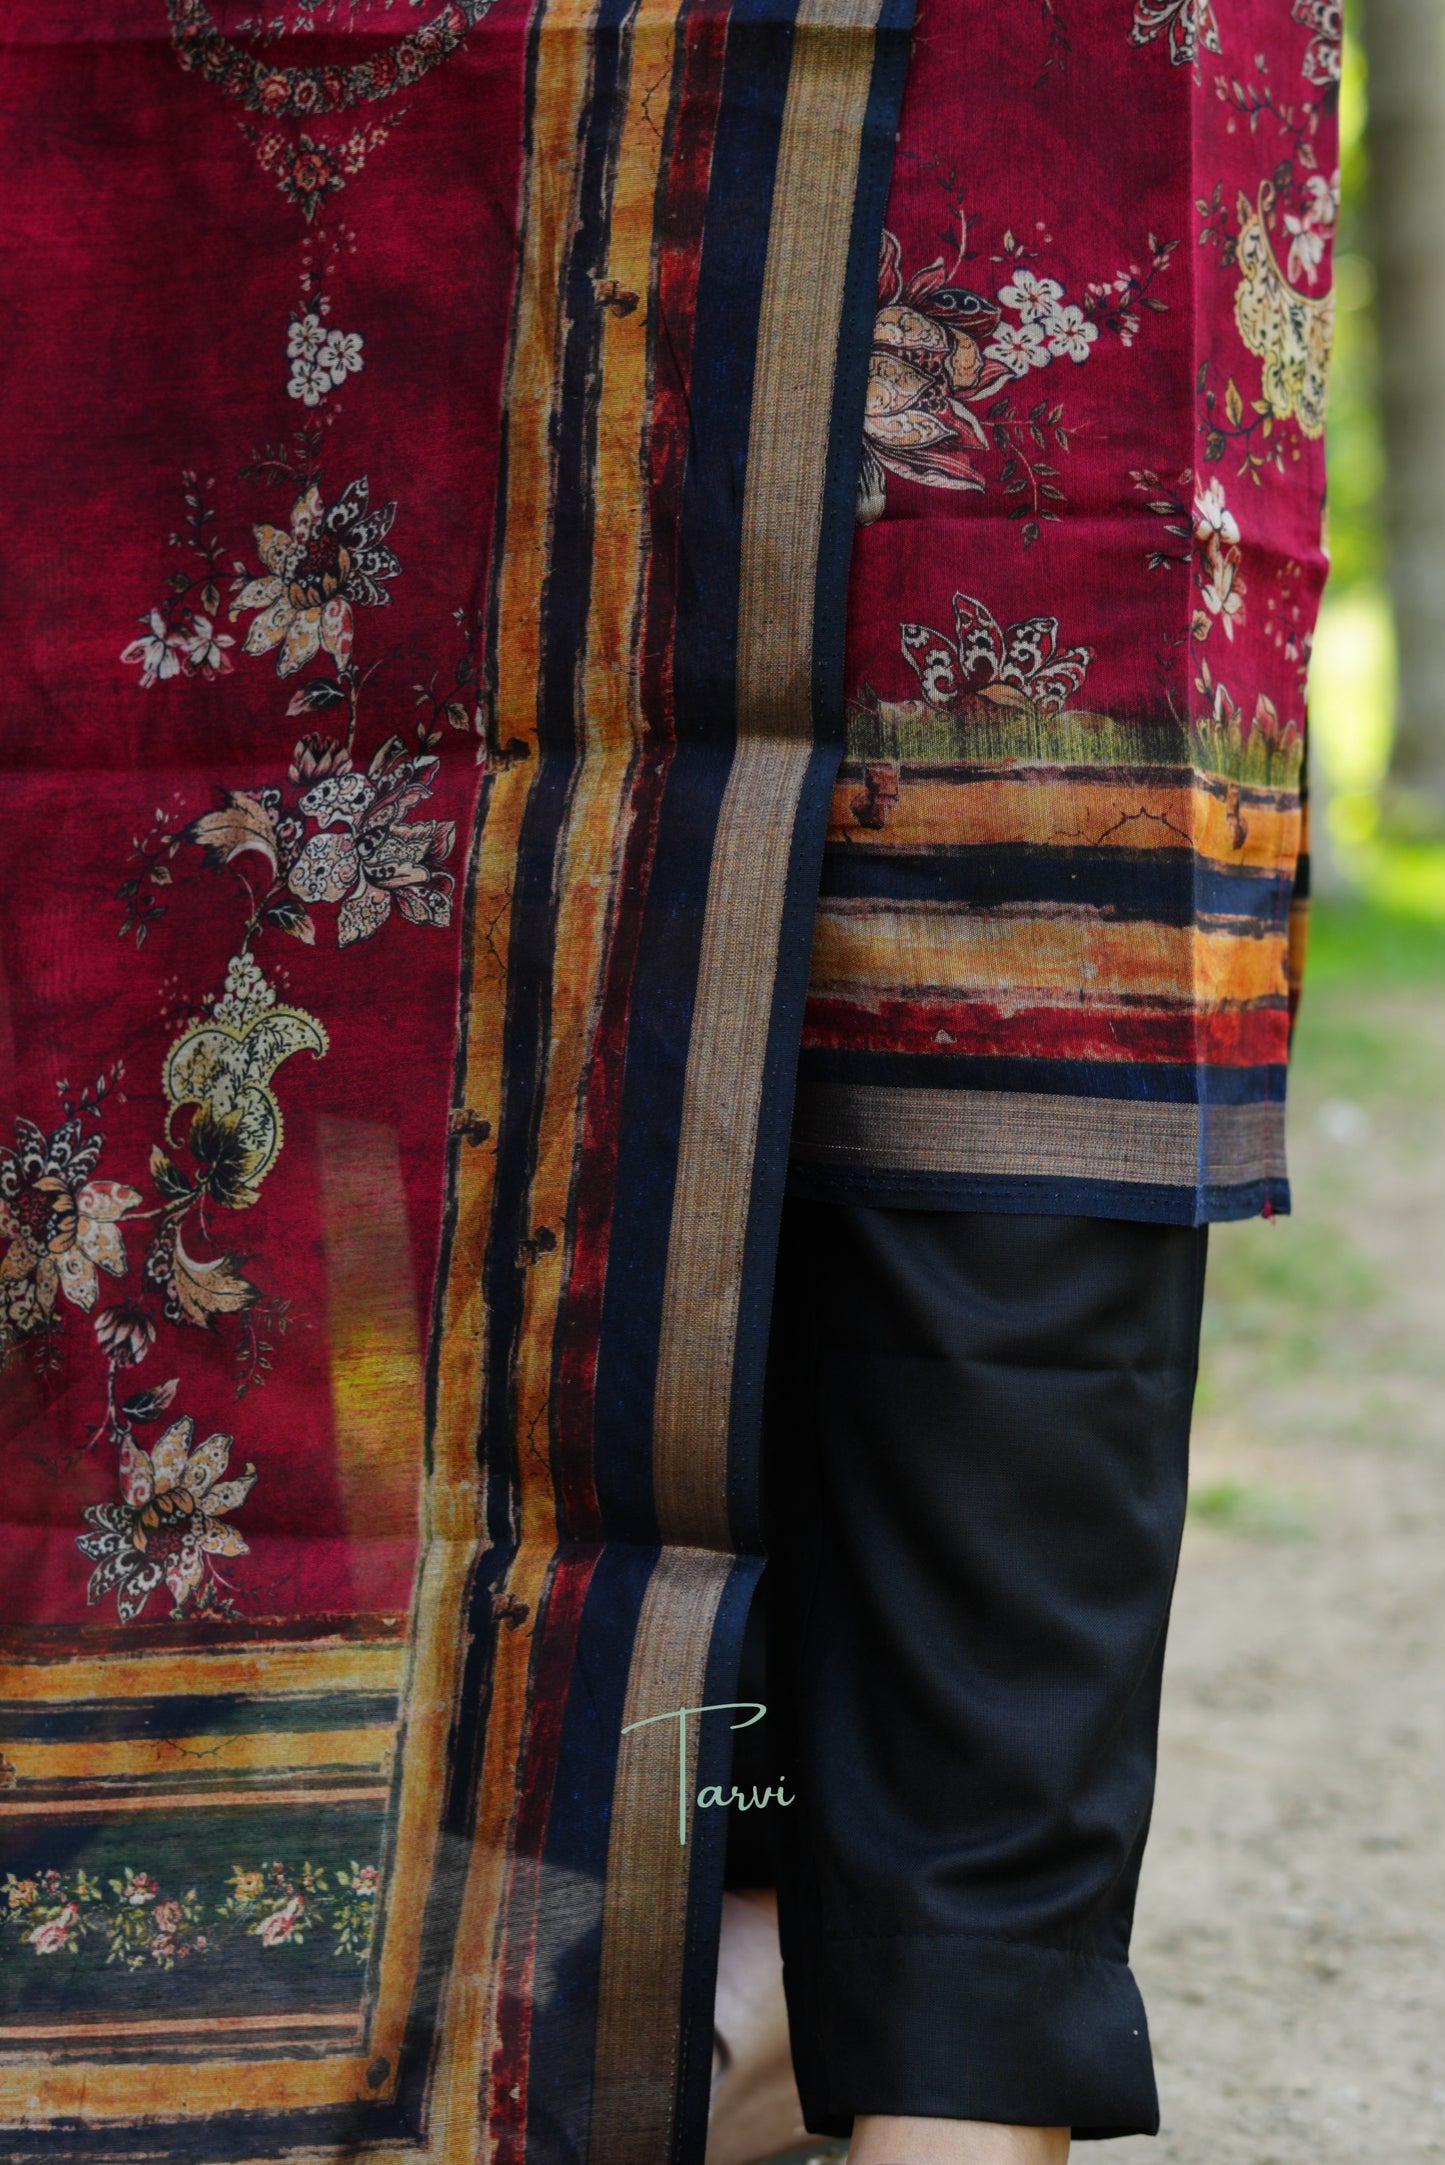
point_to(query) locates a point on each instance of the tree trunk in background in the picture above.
(1405, 133)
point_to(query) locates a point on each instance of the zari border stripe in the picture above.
(815, 191)
(1023, 1134)
(643, 1928)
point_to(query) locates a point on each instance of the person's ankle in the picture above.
(881, 2139)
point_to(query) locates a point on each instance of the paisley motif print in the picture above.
(1289, 331)
(223, 1067)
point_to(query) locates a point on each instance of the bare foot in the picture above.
(755, 2109)
(879, 2139)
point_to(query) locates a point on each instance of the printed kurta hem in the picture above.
(1062, 911)
(467, 770)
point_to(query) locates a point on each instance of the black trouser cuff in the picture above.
(962, 2028)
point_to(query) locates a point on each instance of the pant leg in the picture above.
(752, 1852)
(976, 1470)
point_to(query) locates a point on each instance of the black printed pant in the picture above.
(975, 1473)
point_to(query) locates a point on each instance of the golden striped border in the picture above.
(1034, 1135)
(814, 196)
(1027, 954)
(1248, 830)
(645, 1912)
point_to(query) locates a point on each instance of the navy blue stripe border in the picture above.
(1149, 1201)
(729, 296)
(1169, 887)
(1161, 1082)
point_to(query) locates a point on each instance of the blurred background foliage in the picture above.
(1352, 678)
(1367, 860)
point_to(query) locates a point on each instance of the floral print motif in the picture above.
(345, 837)
(223, 1066)
(1289, 331)
(1023, 665)
(328, 560)
(59, 1225)
(169, 1524)
(1310, 229)
(366, 853)
(139, 1926)
(321, 359)
(318, 161)
(196, 646)
(337, 834)
(1326, 18)
(1191, 26)
(927, 362)
(1221, 589)
(158, 650)
(280, 1908)
(1211, 537)
(262, 88)
(944, 355)
(125, 1333)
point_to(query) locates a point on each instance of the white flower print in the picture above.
(1309, 232)
(1070, 332)
(1222, 589)
(1019, 347)
(204, 648)
(158, 650)
(310, 381)
(305, 337)
(341, 355)
(1217, 574)
(1031, 295)
(1213, 516)
(321, 360)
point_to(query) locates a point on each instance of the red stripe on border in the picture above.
(552, 1671)
(1239, 1037)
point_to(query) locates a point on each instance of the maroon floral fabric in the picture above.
(1052, 963)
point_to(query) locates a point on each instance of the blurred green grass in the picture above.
(1389, 932)
(1312, 1334)
(1236, 1508)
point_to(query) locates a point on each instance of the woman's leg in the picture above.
(976, 1474)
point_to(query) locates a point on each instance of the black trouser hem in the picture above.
(958, 2027)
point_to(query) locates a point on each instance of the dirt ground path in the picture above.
(1291, 1927)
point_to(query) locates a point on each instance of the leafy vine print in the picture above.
(132, 1921)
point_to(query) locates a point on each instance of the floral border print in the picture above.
(300, 120)
(132, 1921)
